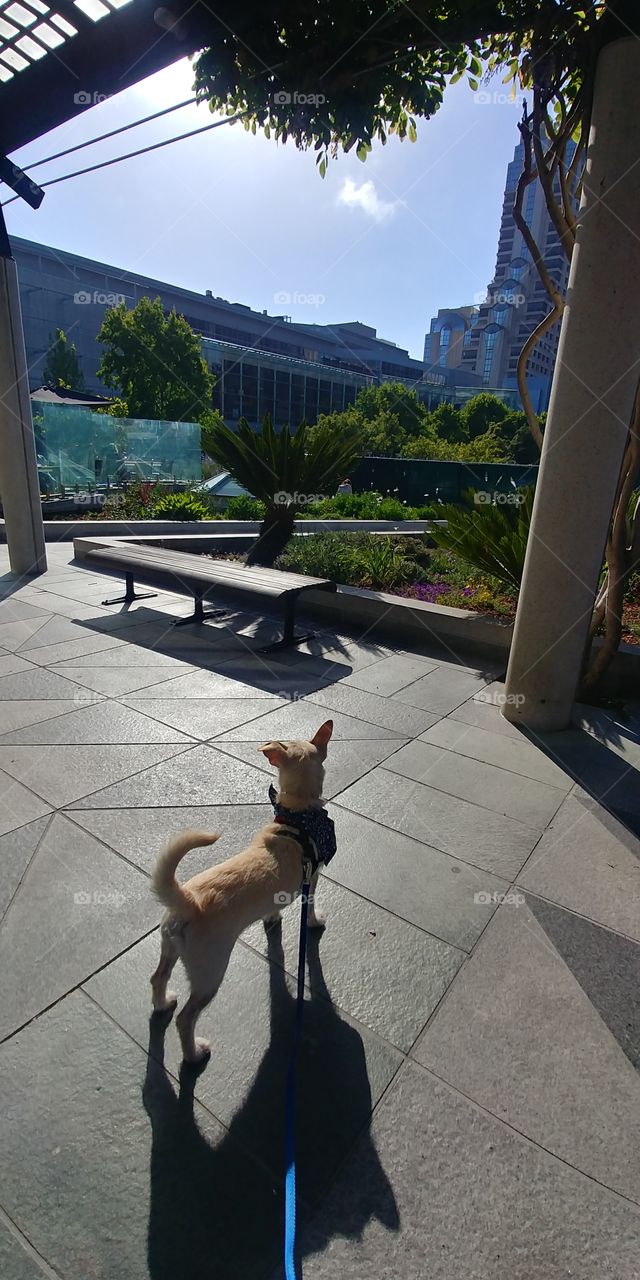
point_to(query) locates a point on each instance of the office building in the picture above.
(486, 338)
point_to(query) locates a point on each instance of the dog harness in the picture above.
(314, 830)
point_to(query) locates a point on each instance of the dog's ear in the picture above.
(321, 738)
(275, 752)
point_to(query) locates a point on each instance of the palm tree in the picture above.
(285, 469)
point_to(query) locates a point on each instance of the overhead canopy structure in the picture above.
(60, 57)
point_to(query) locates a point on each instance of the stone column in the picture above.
(19, 485)
(596, 372)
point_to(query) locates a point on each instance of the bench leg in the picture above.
(130, 593)
(289, 637)
(200, 614)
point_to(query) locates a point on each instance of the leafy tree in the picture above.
(445, 422)
(480, 413)
(155, 363)
(62, 368)
(284, 470)
(486, 448)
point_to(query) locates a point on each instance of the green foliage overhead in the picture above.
(492, 537)
(331, 76)
(154, 362)
(62, 368)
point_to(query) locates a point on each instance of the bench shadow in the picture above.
(216, 1202)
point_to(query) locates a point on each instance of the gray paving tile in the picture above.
(137, 1194)
(121, 650)
(77, 907)
(441, 690)
(15, 715)
(589, 862)
(203, 717)
(301, 719)
(17, 1260)
(440, 1189)
(388, 675)
(617, 733)
(420, 884)
(140, 834)
(521, 1034)
(16, 851)
(218, 685)
(15, 634)
(484, 839)
(35, 684)
(98, 725)
(249, 1026)
(518, 756)
(484, 715)
(14, 609)
(387, 712)
(61, 774)
(10, 663)
(113, 682)
(54, 654)
(59, 631)
(203, 775)
(64, 605)
(18, 805)
(379, 969)
(347, 761)
(531, 802)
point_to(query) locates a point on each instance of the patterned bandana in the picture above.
(314, 825)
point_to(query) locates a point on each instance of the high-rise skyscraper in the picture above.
(485, 339)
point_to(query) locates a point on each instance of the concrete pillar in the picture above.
(19, 485)
(596, 372)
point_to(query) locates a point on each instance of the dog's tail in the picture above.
(180, 901)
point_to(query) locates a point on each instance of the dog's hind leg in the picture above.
(163, 999)
(193, 1050)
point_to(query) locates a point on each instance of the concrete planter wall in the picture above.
(66, 531)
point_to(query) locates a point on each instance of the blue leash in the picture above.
(290, 1269)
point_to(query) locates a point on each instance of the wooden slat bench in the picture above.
(196, 575)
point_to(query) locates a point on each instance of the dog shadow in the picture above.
(216, 1202)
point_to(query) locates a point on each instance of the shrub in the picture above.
(137, 502)
(244, 508)
(366, 506)
(491, 537)
(180, 506)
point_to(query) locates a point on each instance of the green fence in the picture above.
(418, 481)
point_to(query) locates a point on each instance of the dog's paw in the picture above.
(203, 1051)
(270, 922)
(167, 1005)
(316, 921)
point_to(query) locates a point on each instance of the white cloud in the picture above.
(366, 197)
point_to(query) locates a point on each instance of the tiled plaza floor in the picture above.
(469, 1090)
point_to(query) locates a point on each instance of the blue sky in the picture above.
(387, 242)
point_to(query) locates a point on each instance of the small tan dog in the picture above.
(207, 914)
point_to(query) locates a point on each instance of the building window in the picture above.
(445, 339)
(427, 348)
(489, 345)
